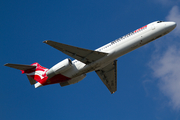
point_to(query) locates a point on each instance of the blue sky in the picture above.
(148, 84)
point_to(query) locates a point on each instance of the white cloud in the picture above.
(174, 15)
(167, 69)
(166, 63)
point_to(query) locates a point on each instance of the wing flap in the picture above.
(84, 55)
(108, 75)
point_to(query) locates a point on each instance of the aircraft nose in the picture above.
(171, 25)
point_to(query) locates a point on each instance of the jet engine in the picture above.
(59, 68)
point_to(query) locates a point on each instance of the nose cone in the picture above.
(171, 25)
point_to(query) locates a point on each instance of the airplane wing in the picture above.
(84, 55)
(108, 75)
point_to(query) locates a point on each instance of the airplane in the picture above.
(102, 60)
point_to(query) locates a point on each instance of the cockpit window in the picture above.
(160, 21)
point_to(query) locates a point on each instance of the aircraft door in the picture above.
(152, 26)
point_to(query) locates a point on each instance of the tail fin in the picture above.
(34, 72)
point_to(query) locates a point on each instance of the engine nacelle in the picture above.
(59, 68)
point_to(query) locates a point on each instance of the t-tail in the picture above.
(35, 72)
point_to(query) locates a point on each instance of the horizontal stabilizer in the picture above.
(19, 66)
(84, 55)
(34, 72)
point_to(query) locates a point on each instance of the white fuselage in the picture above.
(102, 60)
(122, 46)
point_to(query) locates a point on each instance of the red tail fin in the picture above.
(38, 73)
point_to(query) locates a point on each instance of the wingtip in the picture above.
(113, 92)
(45, 41)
